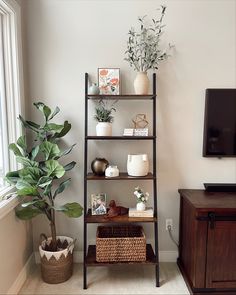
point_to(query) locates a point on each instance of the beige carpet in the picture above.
(112, 280)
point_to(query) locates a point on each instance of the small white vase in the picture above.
(141, 206)
(104, 129)
(141, 83)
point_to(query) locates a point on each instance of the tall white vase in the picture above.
(141, 83)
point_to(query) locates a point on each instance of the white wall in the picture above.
(16, 248)
(66, 38)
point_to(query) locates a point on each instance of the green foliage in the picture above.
(103, 112)
(36, 181)
(143, 47)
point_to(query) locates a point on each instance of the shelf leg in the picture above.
(85, 278)
(157, 276)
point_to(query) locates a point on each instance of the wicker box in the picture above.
(120, 243)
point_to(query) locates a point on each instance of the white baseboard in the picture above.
(164, 256)
(16, 286)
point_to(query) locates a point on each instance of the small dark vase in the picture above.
(99, 166)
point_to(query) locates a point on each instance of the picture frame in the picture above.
(109, 81)
(98, 204)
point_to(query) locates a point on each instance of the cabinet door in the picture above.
(221, 255)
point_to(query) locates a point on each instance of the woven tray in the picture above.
(120, 243)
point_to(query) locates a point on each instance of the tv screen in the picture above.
(220, 123)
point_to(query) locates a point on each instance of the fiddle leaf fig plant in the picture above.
(37, 182)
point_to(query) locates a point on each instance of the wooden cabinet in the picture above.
(207, 250)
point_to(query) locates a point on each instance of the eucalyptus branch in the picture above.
(143, 46)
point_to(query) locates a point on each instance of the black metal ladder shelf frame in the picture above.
(154, 257)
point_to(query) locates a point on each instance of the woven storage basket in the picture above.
(57, 267)
(120, 243)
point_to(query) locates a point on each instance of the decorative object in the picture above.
(98, 204)
(141, 83)
(116, 210)
(128, 132)
(120, 243)
(138, 165)
(93, 89)
(112, 171)
(133, 212)
(140, 121)
(104, 118)
(99, 166)
(109, 81)
(143, 50)
(141, 199)
(141, 132)
(36, 184)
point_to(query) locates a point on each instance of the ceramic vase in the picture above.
(141, 83)
(141, 206)
(138, 165)
(93, 89)
(104, 129)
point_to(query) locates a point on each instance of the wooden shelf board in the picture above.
(89, 218)
(91, 258)
(122, 176)
(122, 97)
(120, 137)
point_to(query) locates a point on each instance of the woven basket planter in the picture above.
(120, 243)
(57, 267)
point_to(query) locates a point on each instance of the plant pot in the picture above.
(137, 165)
(141, 83)
(141, 206)
(57, 267)
(104, 129)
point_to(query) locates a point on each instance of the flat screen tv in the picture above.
(220, 123)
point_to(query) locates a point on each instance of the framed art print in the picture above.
(98, 204)
(109, 81)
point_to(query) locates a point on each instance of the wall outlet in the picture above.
(169, 222)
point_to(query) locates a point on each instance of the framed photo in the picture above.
(98, 204)
(109, 81)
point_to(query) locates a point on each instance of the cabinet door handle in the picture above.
(212, 218)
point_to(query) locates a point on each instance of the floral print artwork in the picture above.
(109, 81)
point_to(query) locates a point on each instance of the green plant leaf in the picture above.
(13, 147)
(27, 213)
(26, 189)
(70, 166)
(30, 174)
(54, 127)
(39, 203)
(34, 152)
(47, 189)
(55, 112)
(22, 143)
(44, 181)
(28, 124)
(63, 185)
(26, 162)
(44, 109)
(67, 151)
(50, 150)
(74, 210)
(12, 177)
(64, 131)
(54, 169)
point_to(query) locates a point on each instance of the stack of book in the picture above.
(133, 212)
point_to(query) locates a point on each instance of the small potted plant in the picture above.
(143, 50)
(103, 115)
(38, 184)
(141, 199)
